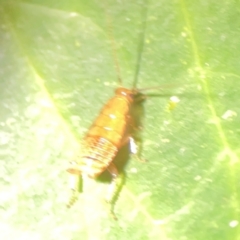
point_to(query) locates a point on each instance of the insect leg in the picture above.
(76, 185)
(114, 188)
(136, 147)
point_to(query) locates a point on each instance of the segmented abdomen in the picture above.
(105, 136)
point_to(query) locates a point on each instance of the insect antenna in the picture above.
(158, 87)
(113, 45)
(141, 42)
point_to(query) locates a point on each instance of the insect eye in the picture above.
(139, 97)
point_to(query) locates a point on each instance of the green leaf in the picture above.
(57, 71)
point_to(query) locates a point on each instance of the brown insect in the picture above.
(117, 125)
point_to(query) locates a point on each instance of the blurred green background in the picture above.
(57, 71)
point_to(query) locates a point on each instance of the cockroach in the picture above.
(116, 125)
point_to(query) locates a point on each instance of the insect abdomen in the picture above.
(97, 153)
(105, 136)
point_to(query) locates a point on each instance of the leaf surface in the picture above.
(57, 71)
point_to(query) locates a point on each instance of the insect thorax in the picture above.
(133, 95)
